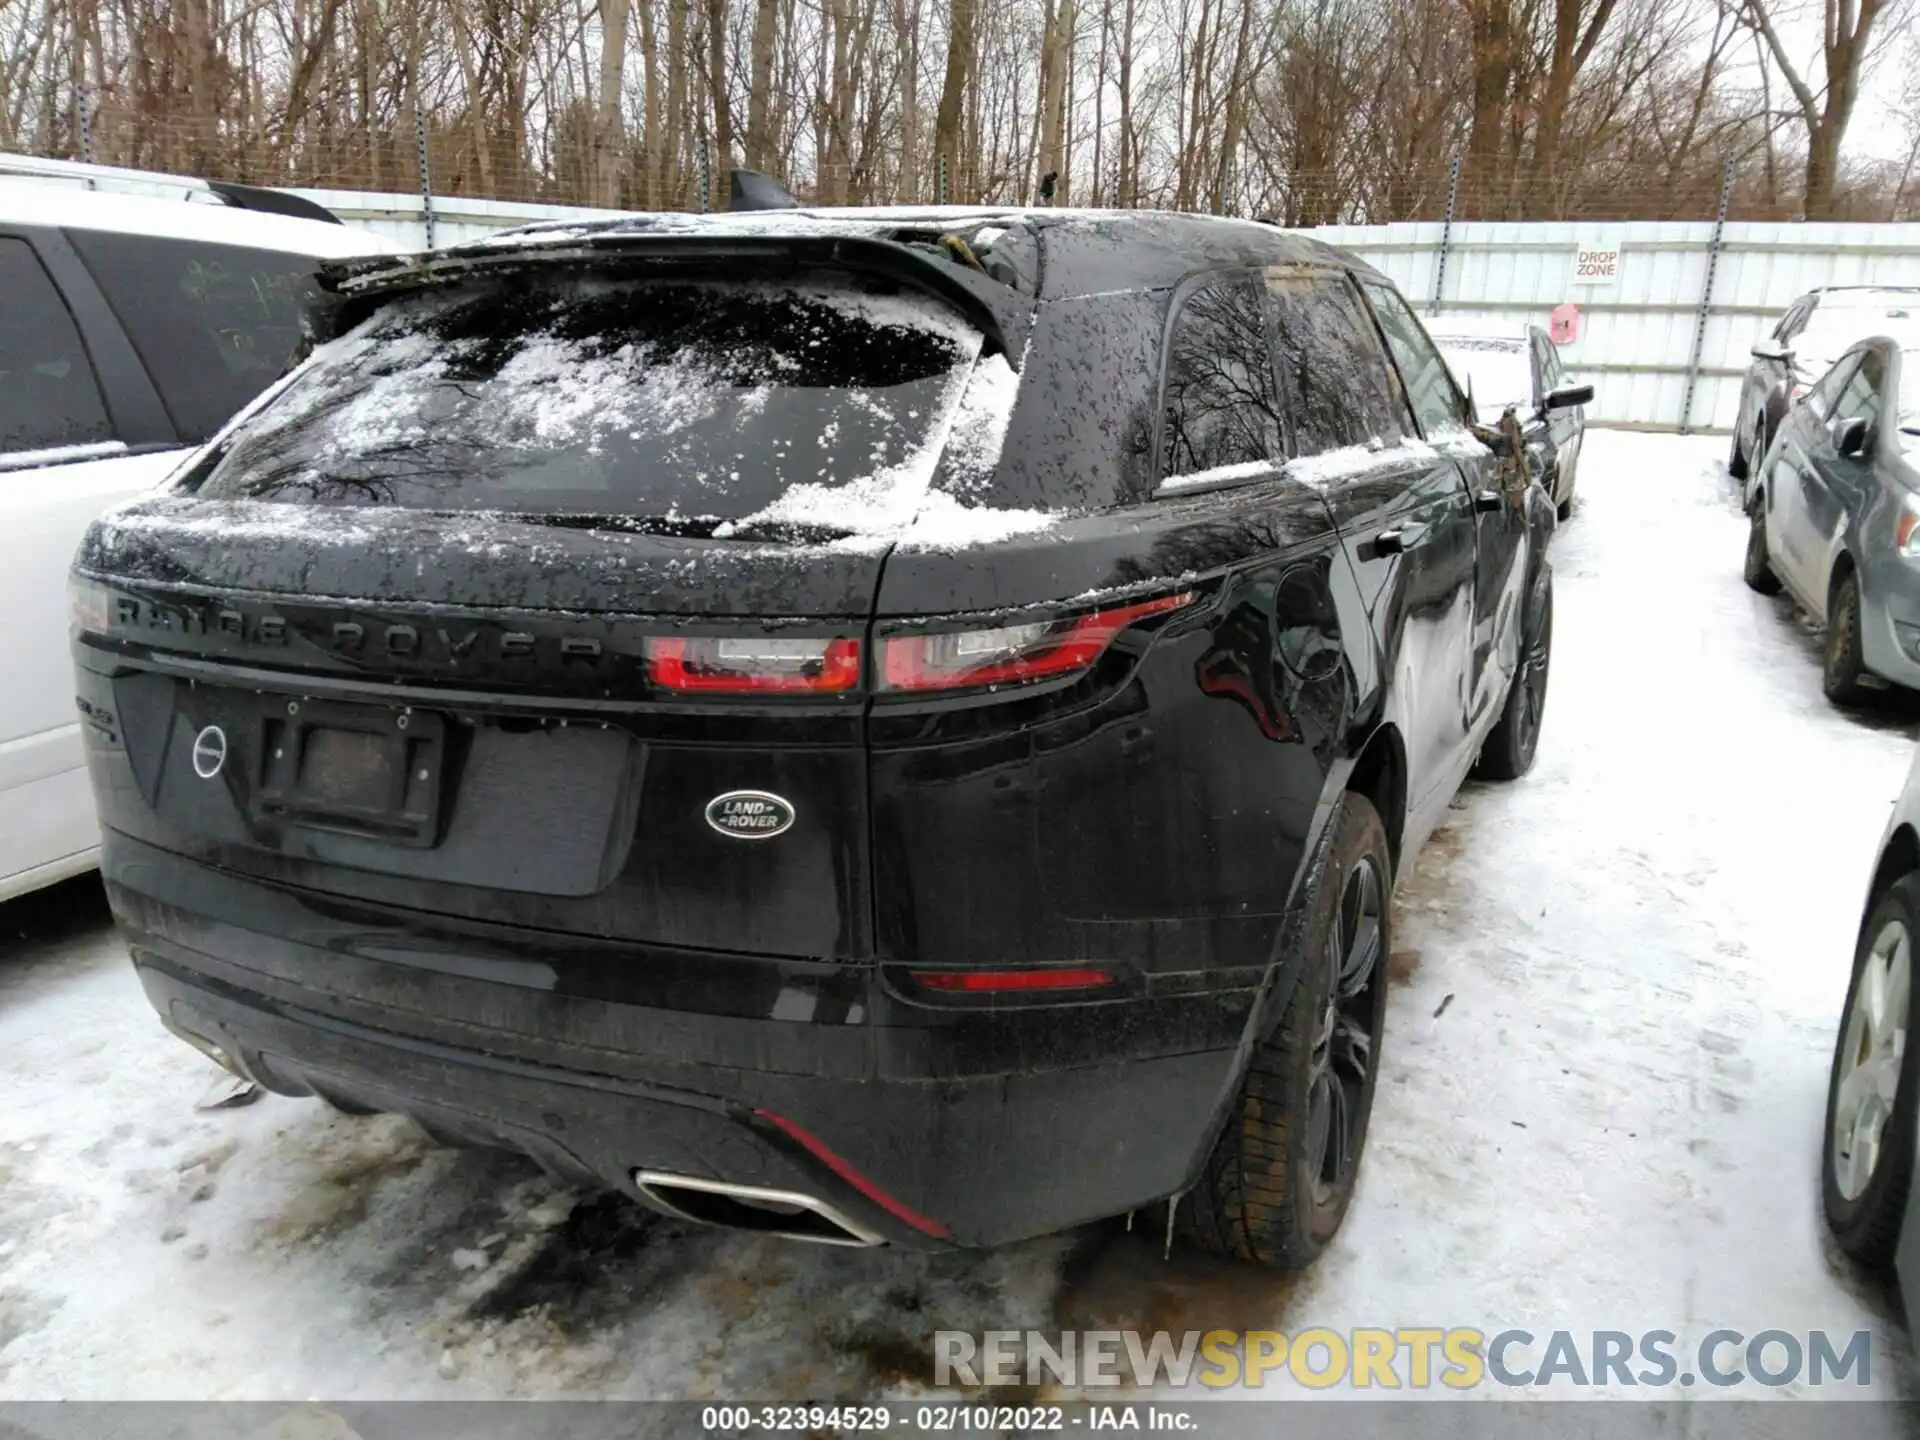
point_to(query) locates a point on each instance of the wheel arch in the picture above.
(1380, 773)
(1843, 565)
(1900, 855)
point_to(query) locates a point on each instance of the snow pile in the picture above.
(1216, 475)
(1327, 468)
(560, 234)
(897, 502)
(979, 428)
(245, 522)
(559, 393)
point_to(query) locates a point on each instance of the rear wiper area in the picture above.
(701, 527)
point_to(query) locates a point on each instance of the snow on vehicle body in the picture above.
(868, 727)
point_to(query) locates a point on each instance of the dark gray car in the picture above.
(1835, 516)
(1810, 337)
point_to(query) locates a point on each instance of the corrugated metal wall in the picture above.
(1637, 332)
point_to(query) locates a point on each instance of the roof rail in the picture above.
(190, 188)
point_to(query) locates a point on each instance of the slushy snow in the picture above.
(1615, 990)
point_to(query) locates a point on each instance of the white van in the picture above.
(137, 312)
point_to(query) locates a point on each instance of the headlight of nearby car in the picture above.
(1906, 528)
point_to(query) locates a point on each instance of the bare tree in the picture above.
(1845, 51)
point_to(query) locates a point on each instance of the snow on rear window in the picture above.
(699, 407)
(899, 502)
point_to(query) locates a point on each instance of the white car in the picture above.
(132, 326)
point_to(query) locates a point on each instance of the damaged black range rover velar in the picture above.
(880, 727)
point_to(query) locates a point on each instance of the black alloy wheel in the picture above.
(1277, 1183)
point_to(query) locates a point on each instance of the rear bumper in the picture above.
(923, 1130)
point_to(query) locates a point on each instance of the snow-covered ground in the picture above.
(1617, 984)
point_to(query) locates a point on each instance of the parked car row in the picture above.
(1816, 330)
(1833, 503)
(1827, 444)
(133, 327)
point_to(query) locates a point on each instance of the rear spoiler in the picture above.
(994, 308)
(271, 202)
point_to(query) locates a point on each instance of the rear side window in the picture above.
(691, 405)
(1861, 398)
(1552, 373)
(49, 397)
(1822, 398)
(1437, 403)
(1218, 408)
(215, 324)
(1333, 375)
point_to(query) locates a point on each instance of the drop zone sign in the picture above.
(1596, 263)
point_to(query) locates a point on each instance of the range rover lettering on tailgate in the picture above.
(892, 727)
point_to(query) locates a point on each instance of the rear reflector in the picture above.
(978, 982)
(753, 665)
(1011, 654)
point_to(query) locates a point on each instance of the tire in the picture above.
(1565, 508)
(1509, 748)
(1737, 457)
(1278, 1181)
(1867, 1143)
(1841, 668)
(1758, 569)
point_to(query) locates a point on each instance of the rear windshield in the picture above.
(689, 405)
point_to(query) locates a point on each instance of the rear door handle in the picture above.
(1398, 540)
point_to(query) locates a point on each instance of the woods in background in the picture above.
(1308, 111)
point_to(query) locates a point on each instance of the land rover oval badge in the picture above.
(749, 815)
(209, 752)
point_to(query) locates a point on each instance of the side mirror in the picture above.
(1565, 397)
(1849, 436)
(1771, 350)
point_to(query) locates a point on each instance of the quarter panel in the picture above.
(1154, 817)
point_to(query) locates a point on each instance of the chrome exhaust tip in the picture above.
(786, 1213)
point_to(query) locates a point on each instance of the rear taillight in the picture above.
(753, 665)
(1010, 654)
(1001, 982)
(90, 606)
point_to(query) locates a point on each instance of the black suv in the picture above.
(885, 727)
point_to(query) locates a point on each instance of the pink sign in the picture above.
(1563, 325)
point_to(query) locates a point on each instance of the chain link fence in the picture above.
(567, 166)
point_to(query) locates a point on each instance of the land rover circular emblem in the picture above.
(749, 815)
(209, 752)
